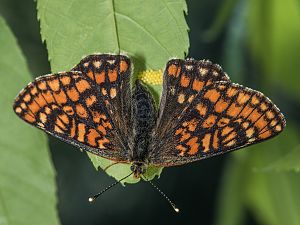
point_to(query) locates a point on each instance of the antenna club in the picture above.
(91, 199)
(164, 195)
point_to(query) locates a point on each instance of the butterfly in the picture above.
(201, 112)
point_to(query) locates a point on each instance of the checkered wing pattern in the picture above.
(111, 76)
(221, 117)
(78, 108)
(183, 80)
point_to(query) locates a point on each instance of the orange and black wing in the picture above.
(68, 106)
(110, 74)
(221, 117)
(183, 80)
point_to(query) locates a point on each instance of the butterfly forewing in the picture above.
(222, 117)
(111, 76)
(183, 80)
(68, 106)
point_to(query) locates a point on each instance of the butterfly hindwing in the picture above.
(68, 106)
(222, 117)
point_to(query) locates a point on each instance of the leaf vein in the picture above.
(146, 31)
(116, 26)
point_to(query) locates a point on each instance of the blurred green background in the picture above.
(258, 45)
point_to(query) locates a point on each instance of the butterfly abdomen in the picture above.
(144, 117)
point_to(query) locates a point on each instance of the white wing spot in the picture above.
(97, 64)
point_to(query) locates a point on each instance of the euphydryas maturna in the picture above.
(201, 112)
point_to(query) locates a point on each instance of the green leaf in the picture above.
(27, 187)
(150, 32)
(120, 170)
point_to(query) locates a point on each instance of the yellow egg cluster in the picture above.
(153, 77)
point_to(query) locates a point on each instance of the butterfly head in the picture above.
(138, 168)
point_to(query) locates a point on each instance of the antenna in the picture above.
(164, 195)
(91, 199)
